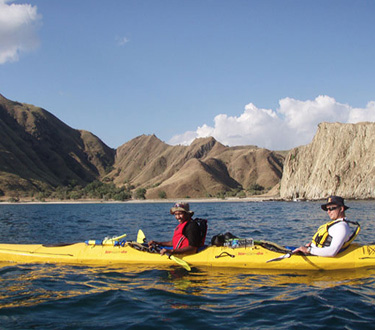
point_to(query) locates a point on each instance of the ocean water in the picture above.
(35, 296)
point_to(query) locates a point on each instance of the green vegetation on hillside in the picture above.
(140, 193)
(45, 159)
(94, 190)
(256, 189)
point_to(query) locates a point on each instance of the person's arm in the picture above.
(169, 243)
(304, 249)
(192, 234)
(186, 250)
(339, 233)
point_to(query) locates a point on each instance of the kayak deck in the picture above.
(252, 257)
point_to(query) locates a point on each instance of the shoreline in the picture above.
(255, 199)
(147, 201)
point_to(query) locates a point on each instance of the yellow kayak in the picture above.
(253, 256)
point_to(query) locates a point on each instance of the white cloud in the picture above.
(185, 138)
(294, 123)
(122, 41)
(367, 114)
(18, 30)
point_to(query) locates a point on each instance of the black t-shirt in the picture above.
(192, 233)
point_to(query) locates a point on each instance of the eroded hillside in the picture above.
(38, 151)
(340, 160)
(205, 168)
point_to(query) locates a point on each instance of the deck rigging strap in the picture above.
(142, 247)
(272, 246)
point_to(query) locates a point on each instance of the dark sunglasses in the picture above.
(333, 208)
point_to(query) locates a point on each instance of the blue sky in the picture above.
(262, 72)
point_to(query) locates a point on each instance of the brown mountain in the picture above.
(205, 168)
(38, 151)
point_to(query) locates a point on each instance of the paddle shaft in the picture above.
(179, 261)
(285, 256)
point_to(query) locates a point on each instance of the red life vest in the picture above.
(179, 240)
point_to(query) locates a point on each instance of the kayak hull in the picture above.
(255, 257)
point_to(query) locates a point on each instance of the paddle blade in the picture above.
(141, 237)
(181, 262)
(285, 256)
(111, 241)
(119, 237)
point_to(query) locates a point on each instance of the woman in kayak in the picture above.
(334, 235)
(187, 235)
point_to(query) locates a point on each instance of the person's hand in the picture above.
(163, 251)
(168, 252)
(150, 243)
(303, 249)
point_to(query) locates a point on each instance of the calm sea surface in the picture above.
(146, 297)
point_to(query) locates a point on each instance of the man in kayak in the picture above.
(334, 235)
(187, 235)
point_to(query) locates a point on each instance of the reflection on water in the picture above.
(35, 284)
(212, 281)
(47, 296)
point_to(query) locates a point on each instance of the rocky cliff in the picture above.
(38, 152)
(340, 160)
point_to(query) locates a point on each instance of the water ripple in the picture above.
(139, 297)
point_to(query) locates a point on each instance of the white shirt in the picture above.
(340, 233)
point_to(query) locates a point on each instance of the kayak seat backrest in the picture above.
(203, 226)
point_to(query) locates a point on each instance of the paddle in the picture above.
(111, 241)
(285, 256)
(141, 238)
(105, 241)
(181, 262)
